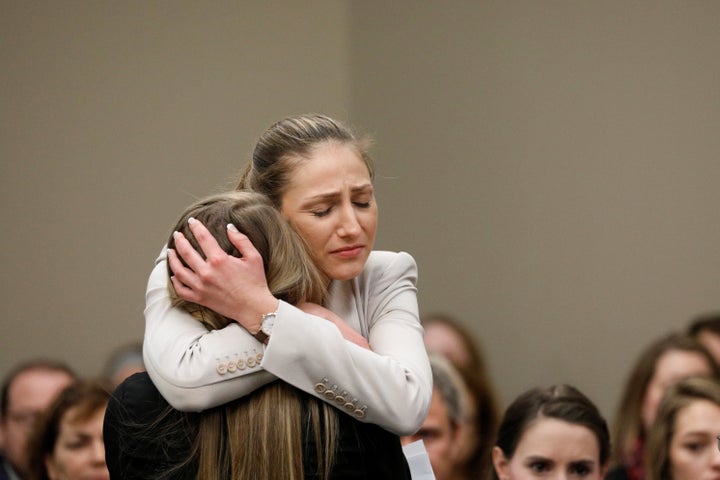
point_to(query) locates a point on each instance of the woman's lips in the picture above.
(348, 252)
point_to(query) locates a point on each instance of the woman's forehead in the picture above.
(329, 168)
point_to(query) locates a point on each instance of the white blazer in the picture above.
(390, 386)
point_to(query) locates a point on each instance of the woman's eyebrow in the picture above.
(322, 196)
(362, 188)
(696, 433)
(366, 187)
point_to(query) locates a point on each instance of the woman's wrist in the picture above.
(251, 317)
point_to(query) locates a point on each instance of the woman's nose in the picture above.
(715, 459)
(349, 225)
(98, 452)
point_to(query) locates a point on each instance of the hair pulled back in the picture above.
(561, 402)
(287, 143)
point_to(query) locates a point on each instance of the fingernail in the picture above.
(176, 234)
(232, 228)
(191, 220)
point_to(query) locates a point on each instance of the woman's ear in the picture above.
(500, 463)
(604, 470)
(52, 472)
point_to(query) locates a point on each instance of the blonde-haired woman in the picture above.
(277, 432)
(682, 443)
(319, 176)
(665, 361)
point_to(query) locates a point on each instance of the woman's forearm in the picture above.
(390, 388)
(193, 368)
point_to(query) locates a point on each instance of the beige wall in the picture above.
(554, 169)
(553, 166)
(114, 117)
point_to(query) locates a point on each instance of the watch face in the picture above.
(267, 324)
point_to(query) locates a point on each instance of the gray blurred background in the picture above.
(552, 166)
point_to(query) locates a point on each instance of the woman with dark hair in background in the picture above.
(553, 432)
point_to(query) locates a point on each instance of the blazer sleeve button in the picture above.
(340, 399)
(330, 394)
(321, 386)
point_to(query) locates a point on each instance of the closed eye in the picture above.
(322, 213)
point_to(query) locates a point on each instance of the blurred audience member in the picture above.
(682, 442)
(441, 432)
(448, 337)
(26, 392)
(123, 362)
(67, 441)
(553, 432)
(706, 329)
(662, 364)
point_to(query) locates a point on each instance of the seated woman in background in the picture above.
(446, 336)
(553, 432)
(682, 442)
(705, 328)
(278, 431)
(67, 442)
(663, 363)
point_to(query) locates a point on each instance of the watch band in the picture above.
(263, 335)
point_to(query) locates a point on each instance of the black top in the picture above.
(4, 474)
(146, 439)
(617, 473)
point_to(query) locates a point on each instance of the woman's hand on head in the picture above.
(349, 333)
(231, 286)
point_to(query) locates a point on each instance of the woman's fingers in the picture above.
(243, 244)
(183, 274)
(189, 255)
(205, 239)
(183, 290)
(233, 287)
